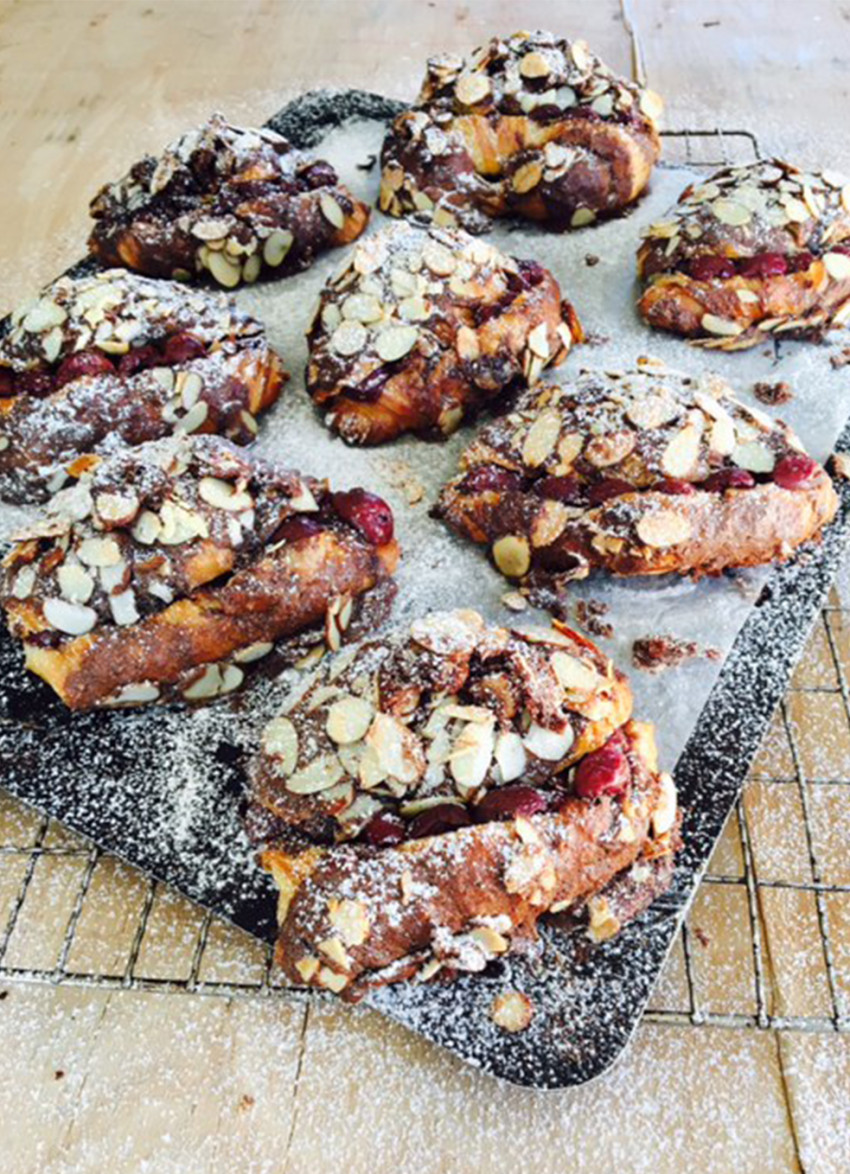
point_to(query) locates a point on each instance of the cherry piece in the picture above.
(180, 348)
(711, 268)
(604, 772)
(92, 362)
(138, 360)
(318, 175)
(567, 489)
(794, 471)
(508, 802)
(7, 382)
(435, 820)
(764, 265)
(301, 526)
(384, 830)
(732, 478)
(607, 488)
(675, 486)
(532, 272)
(490, 477)
(799, 261)
(367, 513)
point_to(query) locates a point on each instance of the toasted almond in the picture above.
(331, 210)
(651, 104)
(194, 418)
(280, 740)
(582, 217)
(471, 88)
(349, 338)
(512, 555)
(471, 755)
(24, 583)
(99, 552)
(754, 456)
(348, 719)
(610, 449)
(490, 940)
(71, 618)
(550, 745)
(570, 446)
(837, 266)
(722, 436)
(509, 754)
(350, 919)
(653, 410)
(324, 771)
(721, 326)
(147, 528)
(527, 177)
(253, 652)
(225, 271)
(224, 495)
(538, 341)
(574, 675)
(307, 967)
(439, 259)
(663, 528)
(541, 438)
(664, 815)
(512, 1011)
(119, 509)
(534, 65)
(394, 343)
(360, 307)
(681, 454)
(75, 583)
(549, 522)
(466, 342)
(398, 749)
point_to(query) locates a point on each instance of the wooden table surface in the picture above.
(95, 1080)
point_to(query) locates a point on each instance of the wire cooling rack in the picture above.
(777, 959)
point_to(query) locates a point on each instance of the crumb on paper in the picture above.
(400, 475)
(514, 601)
(839, 465)
(840, 358)
(778, 392)
(589, 614)
(702, 937)
(591, 259)
(654, 654)
(512, 1011)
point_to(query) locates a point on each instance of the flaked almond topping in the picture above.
(44, 315)
(194, 419)
(538, 341)
(574, 675)
(119, 509)
(223, 495)
(71, 618)
(24, 583)
(75, 583)
(398, 750)
(837, 266)
(527, 177)
(395, 342)
(99, 552)
(448, 633)
(512, 1011)
(653, 410)
(550, 745)
(490, 940)
(663, 528)
(349, 719)
(349, 338)
(512, 555)
(541, 438)
(280, 740)
(331, 210)
(147, 528)
(755, 457)
(610, 449)
(722, 436)
(471, 755)
(725, 327)
(323, 772)
(225, 271)
(664, 815)
(466, 341)
(549, 522)
(471, 88)
(350, 919)
(509, 753)
(439, 259)
(533, 65)
(253, 652)
(307, 967)
(331, 981)
(681, 454)
(582, 217)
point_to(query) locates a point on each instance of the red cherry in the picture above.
(7, 382)
(532, 272)
(764, 265)
(490, 477)
(567, 489)
(608, 488)
(367, 513)
(318, 175)
(799, 261)
(301, 526)
(384, 829)
(711, 268)
(507, 802)
(138, 360)
(92, 362)
(675, 486)
(794, 471)
(729, 479)
(180, 348)
(435, 820)
(604, 772)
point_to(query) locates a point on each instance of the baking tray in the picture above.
(89, 771)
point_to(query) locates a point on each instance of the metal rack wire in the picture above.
(694, 148)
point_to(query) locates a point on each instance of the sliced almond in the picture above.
(349, 338)
(512, 555)
(509, 754)
(349, 719)
(534, 65)
(755, 457)
(837, 266)
(664, 815)
(71, 618)
(399, 752)
(75, 583)
(550, 745)
(394, 343)
(331, 210)
(466, 342)
(323, 772)
(333, 949)
(224, 495)
(225, 271)
(99, 552)
(541, 438)
(471, 88)
(147, 528)
(574, 675)
(489, 939)
(276, 246)
(549, 522)
(721, 326)
(527, 177)
(472, 754)
(332, 981)
(610, 449)
(722, 436)
(653, 410)
(582, 217)
(439, 259)
(663, 528)
(538, 341)
(280, 741)
(119, 509)
(651, 104)
(307, 967)
(681, 454)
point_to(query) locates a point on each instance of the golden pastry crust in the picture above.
(352, 918)
(421, 327)
(225, 204)
(532, 126)
(640, 473)
(122, 356)
(421, 728)
(166, 568)
(754, 253)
